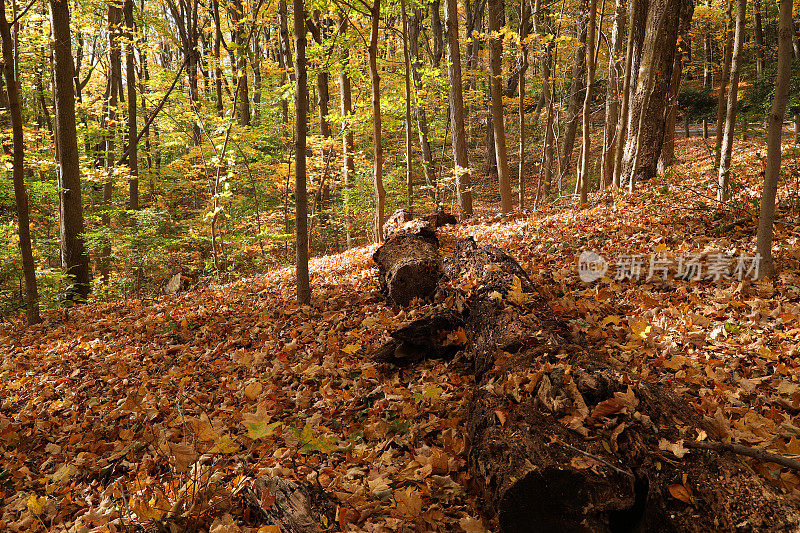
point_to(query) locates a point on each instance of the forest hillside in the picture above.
(166, 410)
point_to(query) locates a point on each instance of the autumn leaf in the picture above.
(36, 504)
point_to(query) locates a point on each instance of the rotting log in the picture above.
(409, 265)
(396, 221)
(296, 507)
(438, 336)
(570, 441)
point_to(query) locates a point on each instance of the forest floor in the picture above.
(137, 412)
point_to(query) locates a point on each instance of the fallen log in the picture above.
(293, 506)
(568, 440)
(564, 440)
(438, 336)
(396, 221)
(409, 265)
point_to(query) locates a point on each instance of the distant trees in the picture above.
(18, 164)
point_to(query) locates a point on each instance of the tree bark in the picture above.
(409, 265)
(613, 93)
(436, 32)
(758, 35)
(74, 258)
(587, 102)
(236, 10)
(730, 116)
(665, 20)
(496, 53)
(456, 101)
(419, 108)
(18, 171)
(622, 123)
(766, 217)
(407, 80)
(576, 89)
(380, 192)
(348, 163)
(524, 29)
(667, 157)
(723, 86)
(130, 77)
(301, 129)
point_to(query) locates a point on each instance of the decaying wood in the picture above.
(293, 506)
(396, 221)
(432, 337)
(569, 441)
(409, 265)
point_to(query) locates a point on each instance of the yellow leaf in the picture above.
(253, 390)
(225, 444)
(615, 319)
(36, 504)
(269, 529)
(409, 502)
(351, 348)
(640, 328)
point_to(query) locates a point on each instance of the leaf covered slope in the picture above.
(166, 411)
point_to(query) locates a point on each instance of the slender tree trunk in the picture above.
(436, 31)
(758, 34)
(725, 79)
(575, 91)
(544, 59)
(496, 53)
(380, 192)
(667, 157)
(707, 53)
(114, 82)
(255, 53)
(301, 127)
(587, 102)
(766, 218)
(407, 61)
(730, 117)
(348, 163)
(549, 149)
(524, 27)
(130, 76)
(613, 93)
(74, 258)
(283, 31)
(419, 109)
(218, 58)
(236, 9)
(456, 101)
(622, 124)
(18, 172)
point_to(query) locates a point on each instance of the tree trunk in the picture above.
(114, 82)
(496, 53)
(283, 31)
(723, 86)
(456, 101)
(74, 258)
(575, 91)
(622, 123)
(613, 94)
(348, 163)
(758, 34)
(436, 32)
(524, 28)
(707, 53)
(766, 218)
(667, 157)
(18, 172)
(380, 193)
(730, 117)
(236, 10)
(301, 129)
(587, 102)
(130, 77)
(407, 80)
(665, 21)
(419, 108)
(218, 58)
